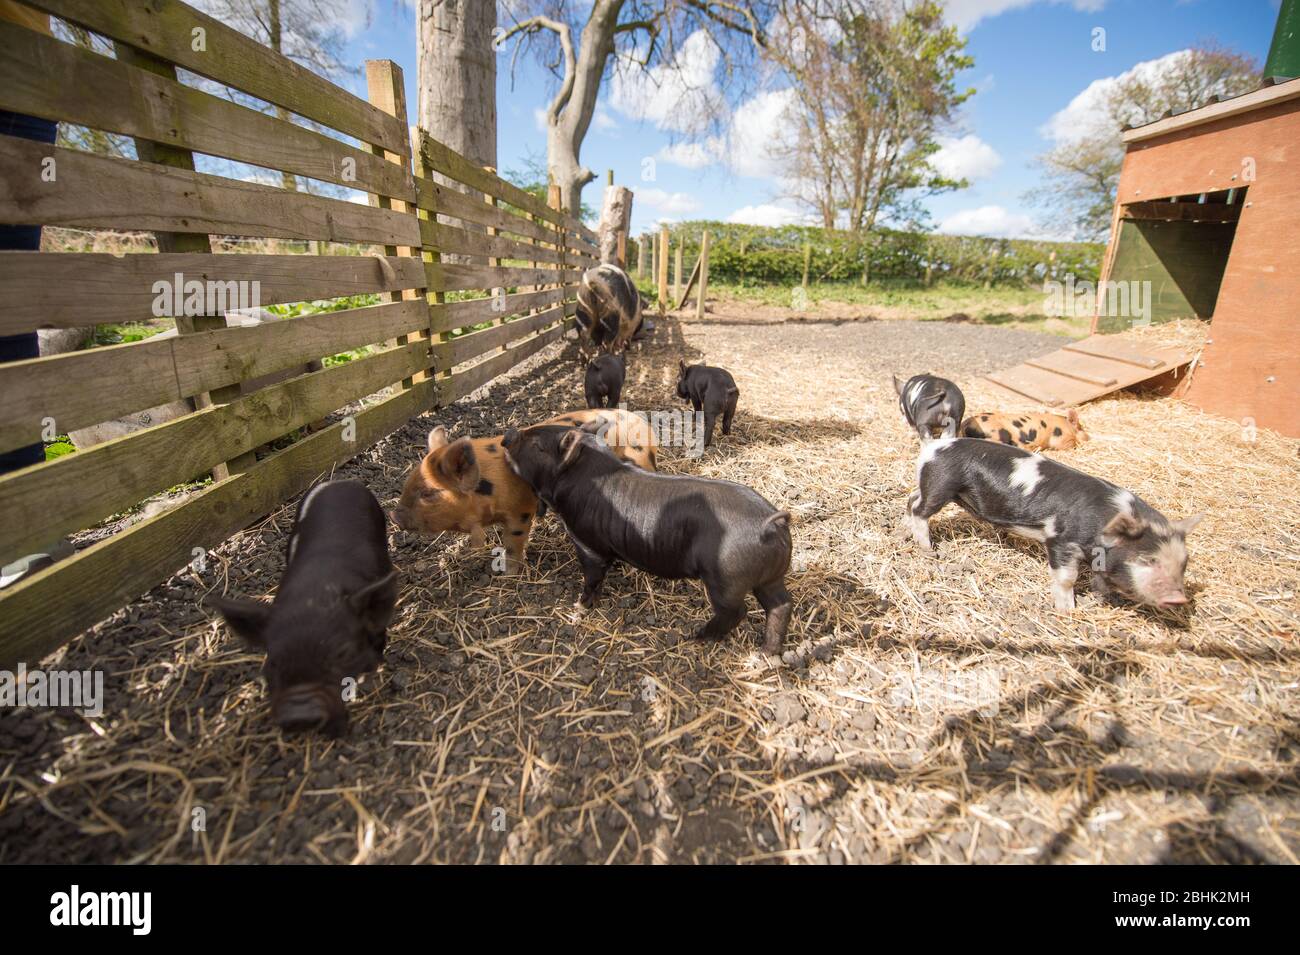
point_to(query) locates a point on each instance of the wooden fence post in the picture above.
(385, 90)
(704, 274)
(677, 272)
(553, 200)
(807, 261)
(168, 155)
(663, 269)
(640, 256)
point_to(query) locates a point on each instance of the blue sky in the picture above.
(1033, 60)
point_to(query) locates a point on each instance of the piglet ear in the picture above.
(459, 465)
(1122, 526)
(437, 438)
(510, 438)
(1072, 416)
(1187, 524)
(375, 602)
(681, 366)
(570, 448)
(898, 385)
(246, 618)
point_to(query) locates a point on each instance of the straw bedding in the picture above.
(926, 710)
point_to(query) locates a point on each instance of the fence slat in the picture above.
(121, 379)
(74, 289)
(449, 316)
(453, 165)
(38, 615)
(73, 492)
(466, 347)
(104, 93)
(103, 192)
(464, 277)
(166, 28)
(451, 239)
(449, 201)
(464, 382)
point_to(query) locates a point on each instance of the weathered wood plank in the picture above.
(75, 491)
(464, 277)
(103, 192)
(448, 238)
(86, 387)
(464, 382)
(452, 315)
(74, 289)
(466, 347)
(109, 94)
(166, 28)
(453, 165)
(38, 615)
(446, 200)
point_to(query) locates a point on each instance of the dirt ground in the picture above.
(926, 710)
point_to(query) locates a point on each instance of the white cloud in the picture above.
(988, 220)
(758, 129)
(965, 14)
(668, 203)
(676, 96)
(692, 155)
(966, 158)
(539, 119)
(768, 214)
(602, 120)
(1086, 116)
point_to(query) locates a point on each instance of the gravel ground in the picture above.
(501, 729)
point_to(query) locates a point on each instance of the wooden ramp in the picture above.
(1088, 369)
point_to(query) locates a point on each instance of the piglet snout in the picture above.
(1173, 600)
(303, 709)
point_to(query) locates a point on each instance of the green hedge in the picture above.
(775, 256)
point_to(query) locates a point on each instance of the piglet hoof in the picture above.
(707, 635)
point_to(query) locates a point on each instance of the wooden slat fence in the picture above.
(437, 330)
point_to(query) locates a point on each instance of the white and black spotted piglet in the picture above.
(1135, 552)
(931, 405)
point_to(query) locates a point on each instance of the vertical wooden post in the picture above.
(677, 272)
(492, 260)
(654, 257)
(640, 257)
(744, 243)
(704, 274)
(561, 243)
(167, 155)
(807, 261)
(385, 90)
(663, 268)
(434, 294)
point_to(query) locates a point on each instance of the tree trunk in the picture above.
(615, 218)
(458, 76)
(569, 115)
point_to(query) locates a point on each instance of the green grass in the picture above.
(1009, 306)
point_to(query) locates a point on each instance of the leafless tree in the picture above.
(583, 43)
(1082, 174)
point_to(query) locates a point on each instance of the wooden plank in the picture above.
(74, 289)
(453, 240)
(453, 165)
(465, 277)
(452, 315)
(446, 200)
(103, 192)
(73, 492)
(166, 28)
(37, 615)
(1044, 387)
(463, 382)
(466, 347)
(110, 94)
(83, 388)
(1182, 211)
(1099, 347)
(1054, 364)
